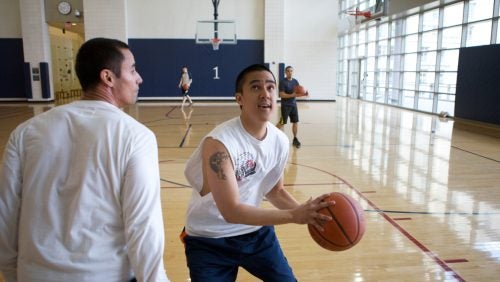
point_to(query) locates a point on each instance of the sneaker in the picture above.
(296, 142)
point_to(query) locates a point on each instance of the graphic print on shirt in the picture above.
(245, 166)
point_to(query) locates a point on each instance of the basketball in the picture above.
(347, 227)
(300, 90)
(185, 86)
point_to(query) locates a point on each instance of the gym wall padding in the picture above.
(478, 84)
(159, 62)
(45, 79)
(12, 68)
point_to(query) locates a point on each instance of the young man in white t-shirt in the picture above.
(236, 165)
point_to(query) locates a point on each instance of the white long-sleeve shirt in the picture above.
(80, 198)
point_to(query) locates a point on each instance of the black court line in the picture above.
(171, 182)
(185, 135)
(167, 115)
(475, 154)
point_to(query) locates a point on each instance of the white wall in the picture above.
(177, 18)
(311, 44)
(10, 19)
(105, 19)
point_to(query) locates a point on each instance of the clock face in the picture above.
(64, 7)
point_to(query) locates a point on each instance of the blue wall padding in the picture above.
(45, 79)
(159, 62)
(27, 80)
(12, 68)
(478, 84)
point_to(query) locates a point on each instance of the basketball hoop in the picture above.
(357, 13)
(351, 20)
(215, 43)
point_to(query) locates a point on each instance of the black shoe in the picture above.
(296, 142)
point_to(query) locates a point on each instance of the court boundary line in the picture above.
(475, 154)
(417, 243)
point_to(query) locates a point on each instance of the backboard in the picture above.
(376, 8)
(223, 30)
(352, 15)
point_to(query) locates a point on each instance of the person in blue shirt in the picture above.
(289, 103)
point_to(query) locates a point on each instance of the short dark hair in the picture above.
(241, 77)
(288, 67)
(95, 55)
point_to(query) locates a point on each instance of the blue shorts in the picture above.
(289, 111)
(217, 260)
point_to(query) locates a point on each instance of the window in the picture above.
(411, 43)
(480, 10)
(453, 14)
(429, 40)
(410, 62)
(478, 33)
(362, 36)
(430, 20)
(412, 58)
(372, 34)
(395, 63)
(382, 63)
(412, 24)
(426, 81)
(381, 79)
(449, 60)
(382, 47)
(446, 103)
(452, 37)
(428, 61)
(447, 82)
(361, 50)
(425, 101)
(409, 80)
(383, 31)
(371, 49)
(380, 95)
(408, 99)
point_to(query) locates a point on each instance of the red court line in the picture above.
(455, 260)
(311, 184)
(421, 246)
(402, 218)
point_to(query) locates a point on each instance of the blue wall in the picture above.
(12, 68)
(478, 84)
(159, 62)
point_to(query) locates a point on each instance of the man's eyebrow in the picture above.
(258, 80)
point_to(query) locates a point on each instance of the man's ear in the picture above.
(239, 98)
(106, 77)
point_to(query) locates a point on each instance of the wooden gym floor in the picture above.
(430, 187)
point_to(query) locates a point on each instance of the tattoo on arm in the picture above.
(216, 161)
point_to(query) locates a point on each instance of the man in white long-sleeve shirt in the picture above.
(80, 191)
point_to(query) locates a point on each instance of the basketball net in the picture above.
(215, 43)
(351, 20)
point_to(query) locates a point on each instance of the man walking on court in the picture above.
(237, 164)
(185, 84)
(80, 190)
(289, 103)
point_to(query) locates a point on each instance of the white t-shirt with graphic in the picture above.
(258, 164)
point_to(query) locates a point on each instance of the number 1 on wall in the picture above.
(216, 69)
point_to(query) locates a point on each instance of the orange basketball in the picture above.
(185, 86)
(300, 90)
(347, 227)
